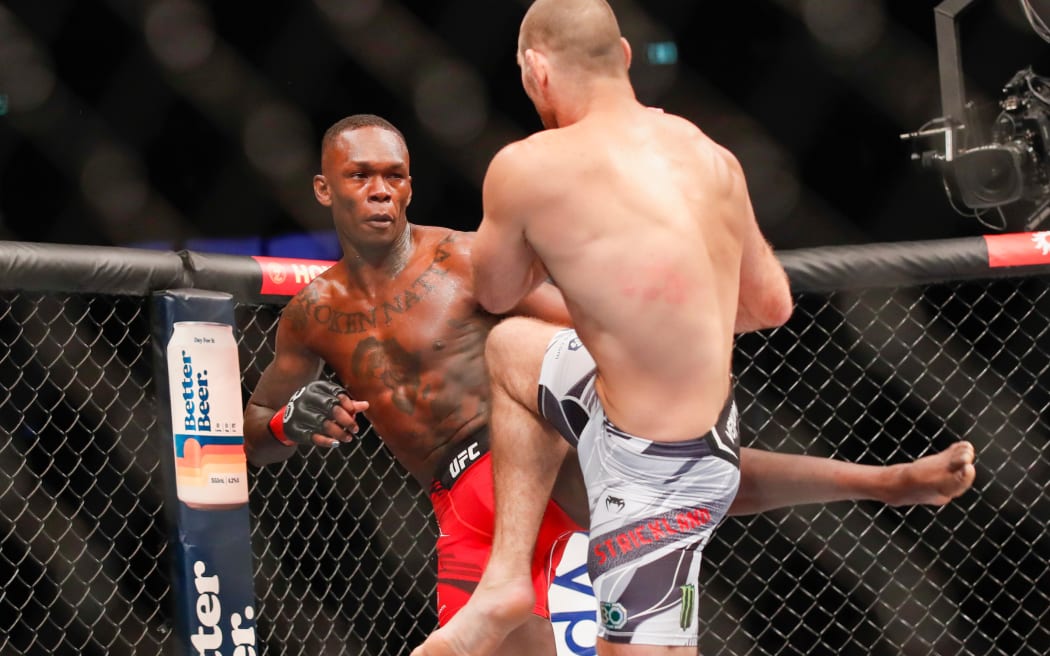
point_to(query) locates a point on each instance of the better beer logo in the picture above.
(206, 413)
(210, 635)
(195, 394)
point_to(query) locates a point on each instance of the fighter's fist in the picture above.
(320, 413)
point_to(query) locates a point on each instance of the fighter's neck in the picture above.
(372, 268)
(596, 97)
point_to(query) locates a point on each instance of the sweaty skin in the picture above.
(645, 225)
(421, 394)
(412, 347)
(640, 248)
(396, 317)
(398, 320)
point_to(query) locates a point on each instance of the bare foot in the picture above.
(495, 609)
(933, 480)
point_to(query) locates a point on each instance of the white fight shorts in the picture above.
(653, 505)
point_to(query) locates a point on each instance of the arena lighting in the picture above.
(662, 53)
(1007, 164)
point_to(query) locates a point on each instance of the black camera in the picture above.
(1005, 164)
(1013, 165)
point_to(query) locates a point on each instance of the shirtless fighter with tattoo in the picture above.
(396, 318)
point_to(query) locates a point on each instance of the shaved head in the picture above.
(356, 122)
(581, 34)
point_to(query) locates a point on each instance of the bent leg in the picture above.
(570, 492)
(770, 480)
(658, 505)
(527, 455)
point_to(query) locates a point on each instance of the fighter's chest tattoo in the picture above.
(399, 368)
(310, 308)
(396, 368)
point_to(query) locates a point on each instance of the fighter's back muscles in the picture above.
(643, 242)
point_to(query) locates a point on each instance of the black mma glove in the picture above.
(306, 413)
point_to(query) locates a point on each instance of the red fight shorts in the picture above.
(463, 503)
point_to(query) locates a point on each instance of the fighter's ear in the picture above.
(321, 191)
(537, 66)
(626, 51)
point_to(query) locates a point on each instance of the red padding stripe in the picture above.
(1018, 249)
(286, 276)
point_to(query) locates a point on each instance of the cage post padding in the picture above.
(201, 437)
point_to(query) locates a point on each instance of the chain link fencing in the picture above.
(342, 542)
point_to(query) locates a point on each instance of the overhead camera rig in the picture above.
(1007, 164)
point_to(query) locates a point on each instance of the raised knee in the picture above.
(504, 340)
(514, 351)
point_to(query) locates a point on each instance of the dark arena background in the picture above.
(169, 122)
(156, 145)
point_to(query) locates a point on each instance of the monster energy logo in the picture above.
(688, 601)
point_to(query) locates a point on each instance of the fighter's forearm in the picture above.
(771, 480)
(259, 445)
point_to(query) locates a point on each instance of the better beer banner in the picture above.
(211, 472)
(201, 438)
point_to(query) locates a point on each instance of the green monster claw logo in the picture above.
(613, 615)
(688, 602)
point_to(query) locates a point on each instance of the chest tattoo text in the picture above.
(308, 307)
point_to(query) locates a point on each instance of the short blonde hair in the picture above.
(582, 34)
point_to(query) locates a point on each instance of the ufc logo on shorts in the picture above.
(467, 456)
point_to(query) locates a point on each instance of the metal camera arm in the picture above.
(949, 65)
(953, 95)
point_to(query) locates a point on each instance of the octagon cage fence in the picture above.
(894, 351)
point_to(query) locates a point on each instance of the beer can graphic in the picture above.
(211, 471)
